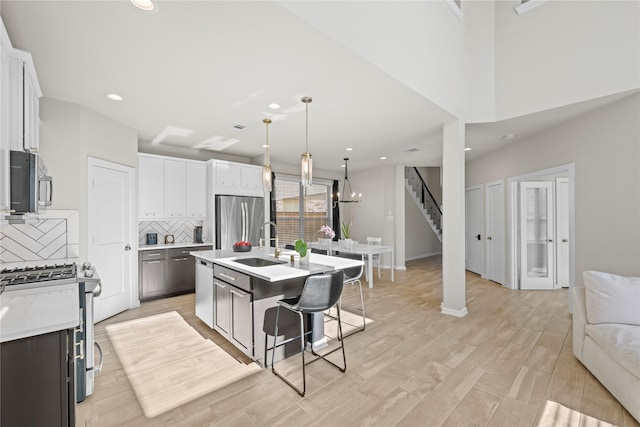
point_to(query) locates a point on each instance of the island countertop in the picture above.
(273, 273)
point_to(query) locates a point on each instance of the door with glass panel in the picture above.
(536, 235)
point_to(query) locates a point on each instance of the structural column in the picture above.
(453, 212)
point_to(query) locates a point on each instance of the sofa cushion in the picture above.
(611, 298)
(620, 342)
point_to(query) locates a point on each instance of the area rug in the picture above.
(169, 363)
(557, 415)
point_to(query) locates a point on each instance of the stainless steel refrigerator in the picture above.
(238, 219)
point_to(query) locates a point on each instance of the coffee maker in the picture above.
(197, 234)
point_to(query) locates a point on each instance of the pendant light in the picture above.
(348, 195)
(266, 169)
(306, 161)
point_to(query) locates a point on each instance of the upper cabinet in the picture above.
(175, 187)
(171, 188)
(196, 190)
(23, 94)
(19, 109)
(237, 179)
(150, 187)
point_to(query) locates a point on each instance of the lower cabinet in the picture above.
(166, 272)
(204, 291)
(153, 281)
(233, 311)
(221, 307)
(241, 319)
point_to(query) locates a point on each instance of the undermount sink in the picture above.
(258, 262)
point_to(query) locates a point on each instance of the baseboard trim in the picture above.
(422, 256)
(451, 312)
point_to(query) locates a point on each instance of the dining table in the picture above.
(366, 249)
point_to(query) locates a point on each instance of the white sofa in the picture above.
(606, 334)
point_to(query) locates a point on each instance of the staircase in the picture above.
(423, 198)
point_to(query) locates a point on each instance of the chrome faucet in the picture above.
(277, 252)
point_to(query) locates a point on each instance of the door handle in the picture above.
(565, 240)
(488, 237)
(550, 240)
(478, 237)
(127, 248)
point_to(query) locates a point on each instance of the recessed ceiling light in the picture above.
(349, 149)
(383, 158)
(274, 106)
(509, 136)
(144, 5)
(467, 149)
(114, 97)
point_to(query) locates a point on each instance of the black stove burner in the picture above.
(39, 273)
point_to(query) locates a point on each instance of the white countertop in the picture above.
(273, 273)
(171, 246)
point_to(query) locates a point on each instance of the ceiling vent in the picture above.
(411, 150)
(239, 127)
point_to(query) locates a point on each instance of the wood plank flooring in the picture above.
(411, 367)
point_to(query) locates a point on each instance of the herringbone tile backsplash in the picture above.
(182, 230)
(54, 236)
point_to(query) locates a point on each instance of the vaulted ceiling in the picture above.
(190, 72)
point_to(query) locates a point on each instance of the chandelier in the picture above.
(348, 195)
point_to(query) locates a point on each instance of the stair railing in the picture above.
(426, 198)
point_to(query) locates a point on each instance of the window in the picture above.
(300, 211)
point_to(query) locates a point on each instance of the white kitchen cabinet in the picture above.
(23, 96)
(237, 178)
(171, 188)
(150, 187)
(196, 190)
(175, 186)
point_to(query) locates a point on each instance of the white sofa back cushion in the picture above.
(611, 298)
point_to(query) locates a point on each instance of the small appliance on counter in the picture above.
(169, 239)
(197, 234)
(152, 238)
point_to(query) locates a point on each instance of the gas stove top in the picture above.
(55, 274)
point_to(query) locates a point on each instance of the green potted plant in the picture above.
(346, 229)
(301, 247)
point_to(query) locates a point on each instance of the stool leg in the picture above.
(364, 323)
(273, 368)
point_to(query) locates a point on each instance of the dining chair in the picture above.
(376, 257)
(352, 276)
(325, 244)
(320, 293)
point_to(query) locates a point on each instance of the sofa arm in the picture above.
(579, 320)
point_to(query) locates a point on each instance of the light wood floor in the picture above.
(412, 367)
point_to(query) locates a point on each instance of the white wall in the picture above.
(563, 52)
(378, 199)
(69, 133)
(480, 56)
(420, 43)
(605, 147)
(419, 239)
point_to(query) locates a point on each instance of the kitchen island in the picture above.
(237, 294)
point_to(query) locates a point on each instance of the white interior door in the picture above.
(536, 235)
(562, 232)
(110, 234)
(474, 257)
(494, 242)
